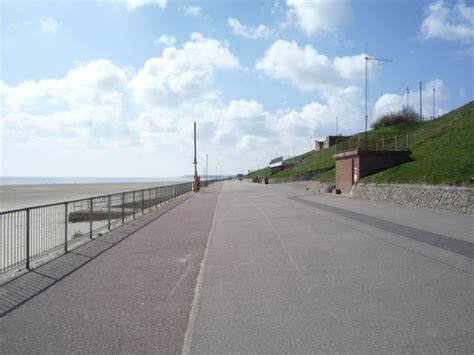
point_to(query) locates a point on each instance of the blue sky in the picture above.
(111, 88)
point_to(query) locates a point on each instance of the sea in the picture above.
(16, 180)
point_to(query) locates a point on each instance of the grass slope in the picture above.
(443, 153)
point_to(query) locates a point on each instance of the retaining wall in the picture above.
(319, 187)
(449, 198)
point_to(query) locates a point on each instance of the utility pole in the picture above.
(337, 130)
(434, 100)
(421, 104)
(195, 160)
(367, 58)
(310, 143)
(206, 171)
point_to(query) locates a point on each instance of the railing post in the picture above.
(383, 141)
(149, 198)
(108, 212)
(133, 204)
(28, 238)
(65, 227)
(396, 142)
(143, 196)
(90, 222)
(123, 207)
(156, 197)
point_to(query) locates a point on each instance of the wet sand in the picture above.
(21, 196)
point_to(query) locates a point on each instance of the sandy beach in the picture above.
(21, 196)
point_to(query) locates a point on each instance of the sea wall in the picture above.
(449, 198)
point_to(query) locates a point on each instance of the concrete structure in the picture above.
(331, 140)
(328, 142)
(353, 165)
(318, 145)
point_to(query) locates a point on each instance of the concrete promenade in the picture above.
(275, 270)
(322, 274)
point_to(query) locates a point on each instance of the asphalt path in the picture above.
(133, 298)
(288, 272)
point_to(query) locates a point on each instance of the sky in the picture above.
(104, 88)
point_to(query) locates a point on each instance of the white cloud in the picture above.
(85, 109)
(191, 10)
(393, 102)
(181, 74)
(86, 100)
(246, 125)
(133, 4)
(166, 40)
(309, 70)
(260, 31)
(451, 23)
(48, 24)
(318, 16)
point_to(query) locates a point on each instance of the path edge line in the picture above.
(188, 336)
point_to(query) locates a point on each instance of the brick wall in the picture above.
(372, 162)
(352, 166)
(344, 177)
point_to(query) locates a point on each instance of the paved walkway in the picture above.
(283, 271)
(326, 274)
(133, 298)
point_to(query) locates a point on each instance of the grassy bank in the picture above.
(442, 152)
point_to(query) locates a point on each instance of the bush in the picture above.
(406, 115)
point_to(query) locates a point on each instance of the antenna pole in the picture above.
(367, 58)
(421, 104)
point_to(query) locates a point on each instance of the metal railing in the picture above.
(30, 233)
(372, 141)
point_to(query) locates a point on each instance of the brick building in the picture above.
(361, 157)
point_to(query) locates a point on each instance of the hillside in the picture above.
(442, 152)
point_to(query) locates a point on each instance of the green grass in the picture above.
(260, 172)
(442, 152)
(310, 161)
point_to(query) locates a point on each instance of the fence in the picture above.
(372, 141)
(30, 233)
